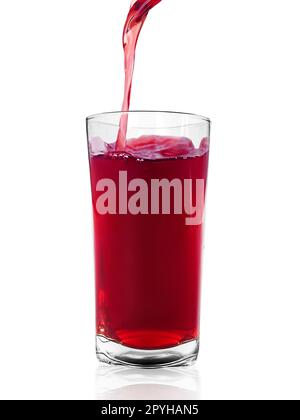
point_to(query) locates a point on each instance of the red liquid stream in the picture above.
(148, 267)
(135, 20)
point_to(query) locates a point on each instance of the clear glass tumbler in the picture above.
(148, 206)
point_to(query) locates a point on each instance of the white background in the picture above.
(234, 61)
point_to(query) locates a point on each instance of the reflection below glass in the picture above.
(122, 383)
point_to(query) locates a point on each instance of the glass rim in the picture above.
(201, 119)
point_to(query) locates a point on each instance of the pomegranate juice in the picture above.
(148, 194)
(148, 266)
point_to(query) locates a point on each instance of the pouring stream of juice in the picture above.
(135, 20)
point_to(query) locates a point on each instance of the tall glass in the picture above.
(148, 206)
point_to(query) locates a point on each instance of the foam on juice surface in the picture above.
(152, 148)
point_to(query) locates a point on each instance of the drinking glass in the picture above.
(148, 206)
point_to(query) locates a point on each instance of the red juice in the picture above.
(148, 196)
(148, 267)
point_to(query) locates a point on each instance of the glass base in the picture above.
(113, 353)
